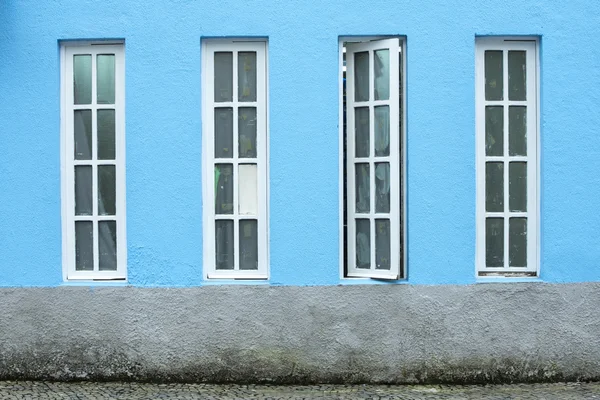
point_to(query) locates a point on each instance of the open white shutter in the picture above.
(373, 160)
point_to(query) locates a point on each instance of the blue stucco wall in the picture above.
(163, 131)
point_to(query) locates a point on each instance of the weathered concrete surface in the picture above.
(367, 333)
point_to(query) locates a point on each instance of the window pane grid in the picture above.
(516, 161)
(238, 234)
(101, 156)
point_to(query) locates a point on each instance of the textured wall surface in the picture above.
(360, 333)
(163, 131)
(460, 331)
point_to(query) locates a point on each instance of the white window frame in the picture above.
(209, 47)
(67, 51)
(531, 46)
(397, 159)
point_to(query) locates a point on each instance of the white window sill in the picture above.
(230, 281)
(507, 279)
(371, 281)
(82, 282)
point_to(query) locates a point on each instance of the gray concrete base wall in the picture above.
(366, 333)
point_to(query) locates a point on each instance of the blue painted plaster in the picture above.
(163, 131)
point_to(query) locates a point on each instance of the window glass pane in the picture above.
(223, 76)
(517, 242)
(106, 134)
(223, 132)
(224, 244)
(382, 244)
(494, 131)
(382, 131)
(362, 132)
(363, 188)
(517, 186)
(247, 189)
(494, 78)
(494, 242)
(106, 190)
(382, 187)
(361, 76)
(517, 131)
(381, 68)
(363, 243)
(105, 77)
(247, 76)
(82, 79)
(83, 190)
(494, 187)
(107, 245)
(82, 128)
(247, 132)
(224, 189)
(517, 75)
(84, 246)
(248, 244)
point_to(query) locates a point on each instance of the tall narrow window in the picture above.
(507, 159)
(235, 159)
(373, 172)
(93, 161)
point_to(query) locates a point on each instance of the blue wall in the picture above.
(163, 129)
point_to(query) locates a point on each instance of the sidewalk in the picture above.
(114, 390)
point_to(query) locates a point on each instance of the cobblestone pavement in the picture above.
(113, 390)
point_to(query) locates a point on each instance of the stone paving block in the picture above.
(115, 390)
